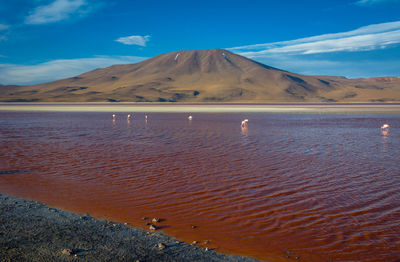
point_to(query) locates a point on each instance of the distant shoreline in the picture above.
(386, 108)
(31, 231)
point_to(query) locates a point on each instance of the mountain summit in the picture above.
(213, 75)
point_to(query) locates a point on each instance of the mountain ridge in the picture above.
(210, 75)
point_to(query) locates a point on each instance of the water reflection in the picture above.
(385, 140)
(244, 130)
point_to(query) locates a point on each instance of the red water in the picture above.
(316, 187)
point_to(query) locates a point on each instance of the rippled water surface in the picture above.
(317, 187)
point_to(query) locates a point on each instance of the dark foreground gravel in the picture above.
(30, 231)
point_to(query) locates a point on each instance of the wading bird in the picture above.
(385, 126)
(244, 123)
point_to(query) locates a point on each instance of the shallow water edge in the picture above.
(387, 108)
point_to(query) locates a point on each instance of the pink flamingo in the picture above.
(244, 123)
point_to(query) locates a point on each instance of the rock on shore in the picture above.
(30, 231)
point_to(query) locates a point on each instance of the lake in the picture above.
(316, 187)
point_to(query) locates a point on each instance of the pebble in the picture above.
(153, 227)
(206, 249)
(161, 246)
(68, 252)
(156, 220)
(145, 218)
(206, 242)
(193, 226)
(194, 242)
(148, 223)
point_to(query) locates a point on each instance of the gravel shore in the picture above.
(31, 231)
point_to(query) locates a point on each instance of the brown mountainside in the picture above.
(214, 75)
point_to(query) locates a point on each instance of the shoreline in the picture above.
(31, 231)
(317, 108)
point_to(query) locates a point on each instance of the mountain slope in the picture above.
(214, 75)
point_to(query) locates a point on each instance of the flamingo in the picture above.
(113, 116)
(385, 126)
(244, 122)
(129, 117)
(145, 117)
(190, 117)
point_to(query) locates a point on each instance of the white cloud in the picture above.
(3, 27)
(366, 38)
(55, 11)
(58, 69)
(315, 55)
(134, 40)
(373, 2)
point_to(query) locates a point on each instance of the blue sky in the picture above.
(44, 40)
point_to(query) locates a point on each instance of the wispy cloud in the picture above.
(3, 36)
(57, 11)
(361, 67)
(134, 40)
(374, 2)
(366, 38)
(58, 69)
(315, 55)
(3, 27)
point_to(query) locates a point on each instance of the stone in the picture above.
(161, 246)
(153, 227)
(194, 242)
(193, 226)
(156, 220)
(68, 252)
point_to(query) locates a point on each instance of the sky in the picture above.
(46, 40)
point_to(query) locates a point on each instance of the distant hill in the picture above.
(214, 75)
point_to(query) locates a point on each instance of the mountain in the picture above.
(214, 75)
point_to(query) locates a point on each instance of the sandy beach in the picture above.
(31, 231)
